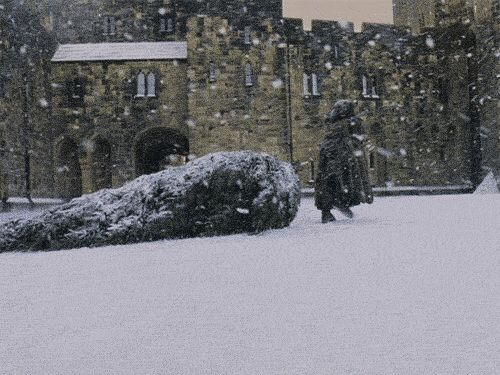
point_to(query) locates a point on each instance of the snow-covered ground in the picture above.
(410, 286)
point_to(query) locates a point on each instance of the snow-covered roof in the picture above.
(121, 51)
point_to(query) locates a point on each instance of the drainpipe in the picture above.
(289, 99)
(26, 139)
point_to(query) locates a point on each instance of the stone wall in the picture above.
(110, 112)
(408, 120)
(241, 103)
(482, 17)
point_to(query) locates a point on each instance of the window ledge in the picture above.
(312, 96)
(145, 96)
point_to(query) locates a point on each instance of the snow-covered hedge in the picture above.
(218, 194)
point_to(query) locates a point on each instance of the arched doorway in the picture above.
(101, 165)
(68, 171)
(155, 148)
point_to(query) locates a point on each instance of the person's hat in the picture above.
(341, 109)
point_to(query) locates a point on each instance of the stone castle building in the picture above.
(112, 89)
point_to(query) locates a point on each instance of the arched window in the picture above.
(141, 85)
(248, 75)
(151, 85)
(76, 92)
(312, 172)
(365, 86)
(212, 76)
(166, 24)
(370, 86)
(315, 86)
(109, 25)
(305, 79)
(248, 35)
(371, 161)
(374, 87)
(311, 85)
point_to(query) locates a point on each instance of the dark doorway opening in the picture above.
(158, 148)
(68, 171)
(101, 165)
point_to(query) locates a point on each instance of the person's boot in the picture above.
(346, 211)
(327, 217)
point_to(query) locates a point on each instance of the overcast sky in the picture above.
(345, 10)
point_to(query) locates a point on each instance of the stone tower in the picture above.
(423, 14)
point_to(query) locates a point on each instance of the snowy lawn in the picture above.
(409, 286)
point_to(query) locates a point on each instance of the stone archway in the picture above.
(155, 147)
(101, 164)
(68, 170)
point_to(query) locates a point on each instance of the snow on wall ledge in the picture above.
(221, 193)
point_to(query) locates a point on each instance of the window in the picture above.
(248, 35)
(311, 84)
(151, 86)
(76, 92)
(443, 90)
(369, 87)
(141, 85)
(3, 146)
(146, 85)
(166, 25)
(422, 106)
(372, 160)
(200, 26)
(248, 75)
(418, 88)
(442, 154)
(365, 86)
(312, 172)
(109, 25)
(306, 85)
(315, 89)
(212, 75)
(78, 89)
(336, 51)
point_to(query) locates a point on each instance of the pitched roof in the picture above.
(121, 51)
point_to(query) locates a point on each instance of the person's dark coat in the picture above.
(342, 179)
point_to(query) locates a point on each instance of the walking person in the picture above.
(342, 181)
